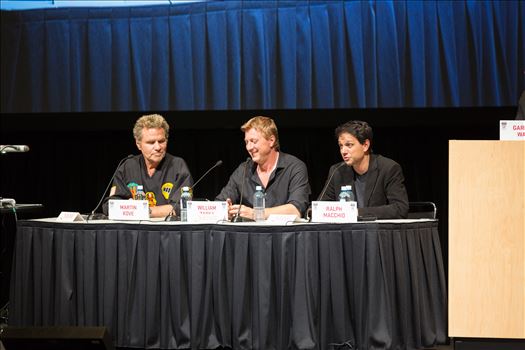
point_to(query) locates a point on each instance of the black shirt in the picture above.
(161, 188)
(288, 183)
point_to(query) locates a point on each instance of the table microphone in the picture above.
(238, 217)
(219, 163)
(102, 216)
(13, 148)
(309, 210)
(172, 217)
(329, 180)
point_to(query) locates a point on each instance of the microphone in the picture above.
(92, 215)
(238, 217)
(309, 210)
(219, 163)
(13, 148)
(172, 217)
(329, 180)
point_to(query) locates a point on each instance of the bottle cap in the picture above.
(186, 188)
(258, 188)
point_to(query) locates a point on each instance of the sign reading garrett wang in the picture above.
(512, 130)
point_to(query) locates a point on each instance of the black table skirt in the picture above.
(373, 285)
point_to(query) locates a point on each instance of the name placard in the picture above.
(334, 212)
(512, 130)
(122, 209)
(70, 216)
(207, 211)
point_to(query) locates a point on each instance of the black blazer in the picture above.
(521, 107)
(385, 193)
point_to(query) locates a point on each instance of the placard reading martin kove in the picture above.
(122, 209)
(335, 212)
(512, 130)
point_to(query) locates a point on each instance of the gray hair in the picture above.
(150, 121)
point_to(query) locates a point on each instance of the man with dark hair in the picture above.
(377, 181)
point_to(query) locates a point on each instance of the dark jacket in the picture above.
(520, 115)
(385, 193)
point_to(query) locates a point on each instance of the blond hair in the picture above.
(150, 121)
(266, 126)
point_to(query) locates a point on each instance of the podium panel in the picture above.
(487, 239)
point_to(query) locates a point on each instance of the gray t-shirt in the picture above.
(359, 189)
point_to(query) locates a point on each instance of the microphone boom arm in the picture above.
(219, 162)
(238, 217)
(107, 187)
(329, 180)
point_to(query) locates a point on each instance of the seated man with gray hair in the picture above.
(161, 174)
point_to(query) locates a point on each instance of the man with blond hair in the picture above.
(283, 177)
(161, 174)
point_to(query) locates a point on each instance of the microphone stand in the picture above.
(329, 180)
(309, 210)
(219, 163)
(92, 215)
(238, 217)
(171, 216)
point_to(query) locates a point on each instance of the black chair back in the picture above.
(422, 210)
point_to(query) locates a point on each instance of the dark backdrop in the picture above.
(239, 55)
(73, 155)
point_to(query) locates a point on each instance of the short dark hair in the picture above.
(358, 129)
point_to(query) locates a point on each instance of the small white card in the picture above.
(207, 211)
(512, 130)
(70, 216)
(122, 209)
(280, 219)
(334, 212)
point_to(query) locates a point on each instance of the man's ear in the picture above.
(272, 140)
(366, 145)
(138, 145)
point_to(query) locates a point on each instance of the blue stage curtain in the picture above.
(263, 55)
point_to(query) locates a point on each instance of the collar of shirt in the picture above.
(280, 164)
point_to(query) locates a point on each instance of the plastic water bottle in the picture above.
(344, 195)
(258, 204)
(350, 193)
(184, 198)
(140, 195)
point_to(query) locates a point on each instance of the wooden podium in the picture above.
(487, 239)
